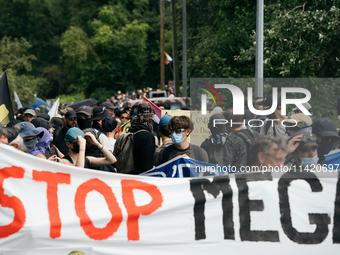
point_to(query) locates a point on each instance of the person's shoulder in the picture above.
(195, 147)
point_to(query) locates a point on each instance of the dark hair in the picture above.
(179, 122)
(165, 131)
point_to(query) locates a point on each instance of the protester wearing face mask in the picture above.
(30, 134)
(325, 131)
(84, 117)
(305, 156)
(42, 145)
(224, 148)
(76, 142)
(180, 128)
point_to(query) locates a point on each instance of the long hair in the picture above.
(146, 118)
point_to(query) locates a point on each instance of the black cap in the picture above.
(40, 122)
(325, 127)
(109, 124)
(218, 126)
(99, 112)
(70, 114)
(11, 134)
(87, 110)
(308, 140)
(108, 105)
(144, 107)
(44, 115)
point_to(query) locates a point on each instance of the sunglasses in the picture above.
(178, 131)
(72, 119)
(124, 118)
(311, 138)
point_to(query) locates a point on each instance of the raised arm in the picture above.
(109, 157)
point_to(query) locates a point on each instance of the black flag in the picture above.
(6, 112)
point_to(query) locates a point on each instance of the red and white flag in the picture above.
(168, 59)
(158, 111)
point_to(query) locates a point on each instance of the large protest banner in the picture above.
(51, 208)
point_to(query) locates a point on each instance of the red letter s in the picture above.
(12, 202)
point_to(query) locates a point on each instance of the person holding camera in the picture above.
(76, 143)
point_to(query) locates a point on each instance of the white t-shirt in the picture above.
(112, 143)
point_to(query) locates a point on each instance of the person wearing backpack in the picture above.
(224, 148)
(236, 129)
(274, 127)
(180, 128)
(135, 150)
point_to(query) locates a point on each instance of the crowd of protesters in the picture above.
(110, 137)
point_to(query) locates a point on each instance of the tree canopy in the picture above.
(95, 48)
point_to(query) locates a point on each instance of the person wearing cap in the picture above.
(125, 122)
(41, 122)
(275, 127)
(144, 139)
(99, 113)
(180, 128)
(303, 124)
(44, 116)
(76, 142)
(305, 155)
(29, 115)
(70, 121)
(42, 145)
(57, 122)
(241, 138)
(84, 117)
(14, 139)
(164, 134)
(325, 130)
(222, 147)
(8, 134)
(110, 108)
(37, 111)
(296, 110)
(109, 125)
(29, 133)
(258, 106)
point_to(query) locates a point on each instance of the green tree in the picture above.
(15, 58)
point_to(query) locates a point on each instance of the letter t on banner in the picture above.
(135, 211)
(52, 180)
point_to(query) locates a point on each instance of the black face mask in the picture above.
(30, 144)
(84, 123)
(75, 148)
(324, 147)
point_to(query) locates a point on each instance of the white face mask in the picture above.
(310, 162)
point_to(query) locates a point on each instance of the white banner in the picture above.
(50, 208)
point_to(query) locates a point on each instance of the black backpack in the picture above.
(123, 152)
(247, 137)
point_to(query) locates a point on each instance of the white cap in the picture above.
(217, 109)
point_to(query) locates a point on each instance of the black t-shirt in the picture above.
(172, 151)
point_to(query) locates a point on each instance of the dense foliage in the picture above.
(94, 48)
